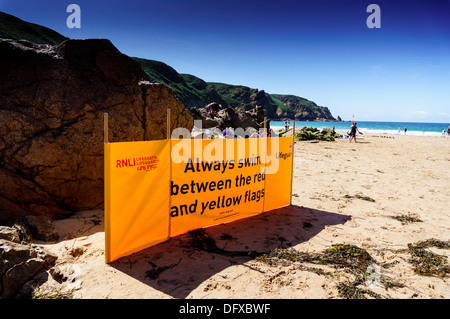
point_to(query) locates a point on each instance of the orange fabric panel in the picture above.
(137, 178)
(158, 189)
(278, 184)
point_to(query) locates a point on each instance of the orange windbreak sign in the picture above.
(158, 189)
(137, 178)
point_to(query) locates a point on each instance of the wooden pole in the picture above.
(265, 162)
(105, 128)
(293, 148)
(168, 124)
(265, 126)
(170, 172)
(106, 185)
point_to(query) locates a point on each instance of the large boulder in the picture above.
(52, 102)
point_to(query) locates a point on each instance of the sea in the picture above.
(374, 127)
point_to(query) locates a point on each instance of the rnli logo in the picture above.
(142, 163)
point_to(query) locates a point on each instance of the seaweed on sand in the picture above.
(427, 263)
(202, 241)
(352, 291)
(366, 198)
(155, 271)
(350, 258)
(340, 255)
(407, 219)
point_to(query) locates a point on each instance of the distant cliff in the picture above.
(195, 92)
(298, 108)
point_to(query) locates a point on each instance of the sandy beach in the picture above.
(343, 194)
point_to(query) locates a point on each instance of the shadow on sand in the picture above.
(179, 265)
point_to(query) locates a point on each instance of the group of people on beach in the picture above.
(398, 133)
(448, 132)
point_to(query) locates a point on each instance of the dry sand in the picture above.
(403, 175)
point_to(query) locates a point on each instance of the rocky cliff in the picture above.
(301, 109)
(195, 92)
(52, 101)
(215, 116)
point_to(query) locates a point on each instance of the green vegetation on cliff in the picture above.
(188, 89)
(17, 29)
(195, 92)
(301, 108)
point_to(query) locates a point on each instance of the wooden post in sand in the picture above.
(168, 124)
(105, 128)
(265, 161)
(170, 171)
(293, 147)
(265, 126)
(106, 186)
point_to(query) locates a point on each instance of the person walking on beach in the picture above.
(448, 131)
(405, 130)
(353, 130)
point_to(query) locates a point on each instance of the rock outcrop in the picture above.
(52, 101)
(215, 116)
(20, 263)
(301, 109)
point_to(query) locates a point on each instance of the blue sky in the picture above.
(321, 50)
